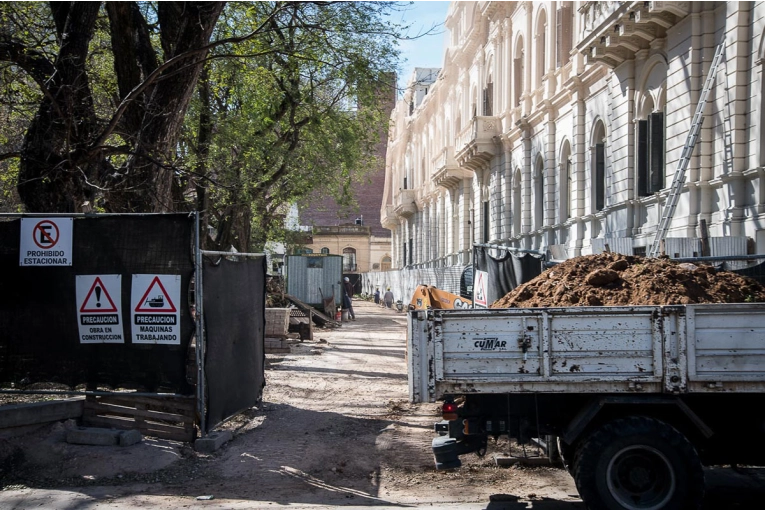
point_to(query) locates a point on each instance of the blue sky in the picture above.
(426, 51)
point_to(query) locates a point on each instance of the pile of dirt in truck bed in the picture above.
(610, 279)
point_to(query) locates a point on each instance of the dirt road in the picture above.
(335, 429)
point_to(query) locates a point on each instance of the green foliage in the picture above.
(289, 102)
(299, 111)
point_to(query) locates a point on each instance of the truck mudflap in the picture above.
(447, 450)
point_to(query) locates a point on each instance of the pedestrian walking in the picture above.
(388, 298)
(348, 297)
(377, 296)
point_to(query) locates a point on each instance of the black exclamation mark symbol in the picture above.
(98, 297)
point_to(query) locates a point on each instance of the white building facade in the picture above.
(559, 126)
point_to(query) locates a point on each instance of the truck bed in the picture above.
(638, 349)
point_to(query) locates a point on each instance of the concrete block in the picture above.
(18, 415)
(213, 441)
(93, 436)
(130, 437)
(277, 321)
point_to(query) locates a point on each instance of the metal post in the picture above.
(199, 318)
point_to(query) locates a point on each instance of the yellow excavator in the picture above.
(428, 297)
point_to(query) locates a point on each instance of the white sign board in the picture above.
(46, 242)
(155, 309)
(480, 289)
(99, 309)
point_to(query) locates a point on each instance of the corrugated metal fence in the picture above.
(402, 282)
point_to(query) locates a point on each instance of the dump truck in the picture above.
(638, 398)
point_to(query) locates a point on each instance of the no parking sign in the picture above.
(46, 242)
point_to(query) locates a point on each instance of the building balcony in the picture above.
(405, 203)
(477, 144)
(614, 31)
(448, 173)
(388, 218)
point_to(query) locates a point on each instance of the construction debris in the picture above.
(611, 279)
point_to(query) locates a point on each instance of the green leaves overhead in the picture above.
(299, 107)
(236, 110)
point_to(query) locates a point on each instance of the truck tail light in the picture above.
(449, 411)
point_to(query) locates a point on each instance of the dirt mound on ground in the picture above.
(610, 279)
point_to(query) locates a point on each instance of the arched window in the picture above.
(385, 263)
(325, 251)
(349, 260)
(541, 48)
(539, 194)
(650, 152)
(598, 167)
(518, 72)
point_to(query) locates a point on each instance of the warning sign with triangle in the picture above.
(156, 299)
(99, 305)
(98, 300)
(479, 289)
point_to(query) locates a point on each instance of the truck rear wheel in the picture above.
(639, 463)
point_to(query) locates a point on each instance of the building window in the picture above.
(488, 99)
(385, 264)
(565, 193)
(565, 30)
(517, 202)
(650, 154)
(518, 73)
(325, 251)
(349, 260)
(598, 168)
(486, 223)
(539, 195)
(600, 176)
(541, 39)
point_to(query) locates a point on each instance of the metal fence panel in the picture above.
(234, 312)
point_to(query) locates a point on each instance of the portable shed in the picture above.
(313, 277)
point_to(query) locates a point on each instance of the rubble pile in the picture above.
(611, 279)
(275, 293)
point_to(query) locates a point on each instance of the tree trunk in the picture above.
(62, 167)
(55, 165)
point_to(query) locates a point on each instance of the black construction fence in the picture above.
(100, 303)
(234, 309)
(504, 272)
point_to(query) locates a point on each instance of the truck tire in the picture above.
(566, 452)
(639, 463)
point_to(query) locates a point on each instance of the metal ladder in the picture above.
(682, 165)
